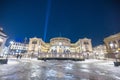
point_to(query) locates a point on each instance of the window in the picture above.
(86, 43)
(113, 44)
(34, 42)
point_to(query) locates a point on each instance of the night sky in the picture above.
(74, 19)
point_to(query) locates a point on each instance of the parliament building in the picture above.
(59, 47)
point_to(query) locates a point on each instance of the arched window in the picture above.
(34, 42)
(86, 46)
(86, 43)
(113, 44)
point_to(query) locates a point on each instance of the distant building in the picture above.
(86, 45)
(18, 48)
(3, 38)
(112, 44)
(58, 46)
(99, 51)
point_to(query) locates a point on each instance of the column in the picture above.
(117, 43)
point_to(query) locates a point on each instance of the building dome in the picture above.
(60, 41)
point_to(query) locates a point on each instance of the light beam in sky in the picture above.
(47, 18)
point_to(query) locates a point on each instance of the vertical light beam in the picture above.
(47, 18)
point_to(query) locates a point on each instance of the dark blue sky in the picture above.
(74, 19)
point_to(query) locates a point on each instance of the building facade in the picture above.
(3, 38)
(59, 46)
(99, 51)
(17, 48)
(113, 43)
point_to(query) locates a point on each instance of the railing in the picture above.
(60, 56)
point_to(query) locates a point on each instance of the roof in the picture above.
(60, 38)
(2, 33)
(112, 37)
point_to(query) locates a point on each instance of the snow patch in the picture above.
(100, 73)
(69, 66)
(116, 77)
(13, 61)
(84, 66)
(51, 73)
(90, 61)
(85, 70)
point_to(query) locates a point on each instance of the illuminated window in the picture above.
(113, 45)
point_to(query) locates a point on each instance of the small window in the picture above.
(86, 43)
(34, 42)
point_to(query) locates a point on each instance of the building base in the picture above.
(3, 61)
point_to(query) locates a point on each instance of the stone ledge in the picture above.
(3, 61)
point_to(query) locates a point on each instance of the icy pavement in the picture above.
(26, 69)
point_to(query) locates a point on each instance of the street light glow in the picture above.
(117, 51)
(60, 43)
(111, 44)
(1, 40)
(11, 42)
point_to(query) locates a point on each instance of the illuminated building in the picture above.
(113, 43)
(99, 51)
(3, 38)
(17, 48)
(59, 47)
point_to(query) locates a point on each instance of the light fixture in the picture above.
(39, 46)
(117, 51)
(60, 43)
(111, 45)
(1, 40)
(11, 42)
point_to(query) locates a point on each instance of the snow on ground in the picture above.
(109, 65)
(13, 62)
(90, 61)
(57, 70)
(103, 64)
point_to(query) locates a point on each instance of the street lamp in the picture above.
(11, 42)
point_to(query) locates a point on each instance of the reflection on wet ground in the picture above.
(55, 70)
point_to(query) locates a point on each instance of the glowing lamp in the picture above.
(1, 40)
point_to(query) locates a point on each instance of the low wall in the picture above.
(3, 61)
